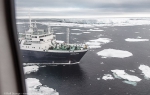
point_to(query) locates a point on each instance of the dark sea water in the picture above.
(81, 79)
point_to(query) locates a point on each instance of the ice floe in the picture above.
(34, 87)
(130, 82)
(107, 77)
(135, 40)
(145, 70)
(29, 69)
(94, 30)
(114, 53)
(121, 74)
(102, 40)
(59, 33)
(93, 44)
(75, 29)
(76, 33)
(86, 32)
(139, 37)
(96, 43)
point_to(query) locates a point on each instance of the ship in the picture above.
(40, 46)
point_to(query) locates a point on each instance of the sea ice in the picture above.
(59, 33)
(130, 82)
(145, 70)
(94, 30)
(107, 77)
(135, 40)
(34, 87)
(29, 69)
(121, 74)
(75, 29)
(93, 44)
(114, 53)
(86, 32)
(76, 33)
(102, 40)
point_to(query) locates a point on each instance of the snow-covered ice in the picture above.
(114, 53)
(130, 82)
(34, 87)
(135, 40)
(59, 33)
(145, 70)
(75, 29)
(102, 40)
(86, 32)
(93, 44)
(96, 43)
(76, 33)
(29, 69)
(121, 74)
(94, 30)
(107, 77)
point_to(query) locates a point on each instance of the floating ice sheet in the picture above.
(75, 29)
(135, 40)
(145, 70)
(59, 33)
(96, 43)
(114, 53)
(107, 77)
(34, 87)
(86, 32)
(76, 33)
(102, 40)
(130, 82)
(95, 30)
(29, 69)
(121, 74)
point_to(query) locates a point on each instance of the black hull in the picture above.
(51, 57)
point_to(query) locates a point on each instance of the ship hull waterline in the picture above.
(52, 57)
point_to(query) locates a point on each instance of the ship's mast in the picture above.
(35, 25)
(30, 20)
(49, 29)
(68, 35)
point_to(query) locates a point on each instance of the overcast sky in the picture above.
(83, 8)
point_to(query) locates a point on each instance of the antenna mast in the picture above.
(68, 35)
(30, 20)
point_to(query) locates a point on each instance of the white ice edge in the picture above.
(114, 53)
(121, 74)
(102, 40)
(29, 69)
(108, 77)
(59, 33)
(145, 70)
(135, 40)
(34, 87)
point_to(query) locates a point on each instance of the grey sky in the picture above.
(83, 7)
